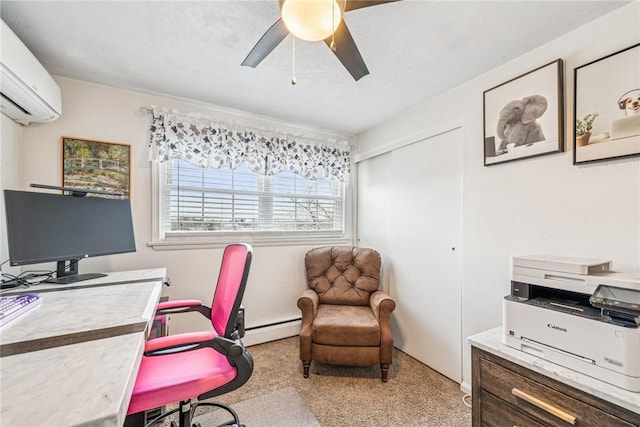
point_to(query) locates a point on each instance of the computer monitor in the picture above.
(45, 227)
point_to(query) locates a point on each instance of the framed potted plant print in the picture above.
(96, 165)
(524, 116)
(607, 107)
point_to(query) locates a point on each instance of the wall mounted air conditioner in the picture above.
(29, 93)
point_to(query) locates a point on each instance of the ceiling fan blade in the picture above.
(269, 40)
(347, 52)
(359, 4)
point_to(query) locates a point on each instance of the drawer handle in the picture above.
(564, 416)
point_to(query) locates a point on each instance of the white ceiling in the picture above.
(413, 49)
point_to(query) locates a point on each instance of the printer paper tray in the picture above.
(528, 345)
(574, 362)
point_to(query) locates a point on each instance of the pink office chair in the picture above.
(199, 365)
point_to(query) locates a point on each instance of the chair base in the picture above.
(186, 409)
(384, 370)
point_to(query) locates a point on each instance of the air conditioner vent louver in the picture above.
(5, 98)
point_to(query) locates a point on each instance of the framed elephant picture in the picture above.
(523, 117)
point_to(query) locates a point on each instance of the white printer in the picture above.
(577, 313)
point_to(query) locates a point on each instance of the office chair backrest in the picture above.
(232, 281)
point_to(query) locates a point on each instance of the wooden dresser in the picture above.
(513, 388)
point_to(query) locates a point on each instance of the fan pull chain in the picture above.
(293, 63)
(332, 46)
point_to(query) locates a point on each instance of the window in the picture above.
(201, 202)
(243, 193)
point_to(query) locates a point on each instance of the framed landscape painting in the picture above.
(97, 165)
(524, 117)
(607, 107)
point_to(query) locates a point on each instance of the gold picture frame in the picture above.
(97, 165)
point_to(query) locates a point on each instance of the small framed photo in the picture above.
(607, 107)
(524, 117)
(97, 165)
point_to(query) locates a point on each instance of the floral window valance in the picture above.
(208, 143)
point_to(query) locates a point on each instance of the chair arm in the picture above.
(239, 324)
(308, 304)
(177, 343)
(238, 356)
(382, 305)
(183, 306)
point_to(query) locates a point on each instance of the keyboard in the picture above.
(15, 306)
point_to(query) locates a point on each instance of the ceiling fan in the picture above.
(298, 18)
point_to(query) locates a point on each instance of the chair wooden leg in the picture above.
(384, 371)
(305, 368)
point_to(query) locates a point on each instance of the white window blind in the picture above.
(207, 200)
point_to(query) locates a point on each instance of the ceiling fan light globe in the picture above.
(311, 20)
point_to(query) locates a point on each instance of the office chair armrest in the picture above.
(183, 306)
(177, 343)
(239, 357)
(239, 324)
(231, 348)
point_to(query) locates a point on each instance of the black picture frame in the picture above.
(600, 87)
(524, 117)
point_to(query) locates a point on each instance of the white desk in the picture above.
(73, 360)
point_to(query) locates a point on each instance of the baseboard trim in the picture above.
(465, 388)
(260, 335)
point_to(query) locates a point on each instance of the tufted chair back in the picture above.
(343, 274)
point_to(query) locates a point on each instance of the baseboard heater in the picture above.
(272, 331)
(267, 325)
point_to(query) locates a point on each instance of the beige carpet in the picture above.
(278, 395)
(414, 396)
(280, 408)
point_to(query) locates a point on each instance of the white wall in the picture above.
(541, 205)
(102, 113)
(537, 205)
(10, 138)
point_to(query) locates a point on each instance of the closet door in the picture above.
(421, 251)
(373, 208)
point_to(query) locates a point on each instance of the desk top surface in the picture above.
(491, 342)
(77, 315)
(73, 360)
(88, 383)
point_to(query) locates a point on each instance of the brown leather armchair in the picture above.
(345, 318)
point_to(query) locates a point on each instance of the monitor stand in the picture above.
(74, 278)
(67, 272)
